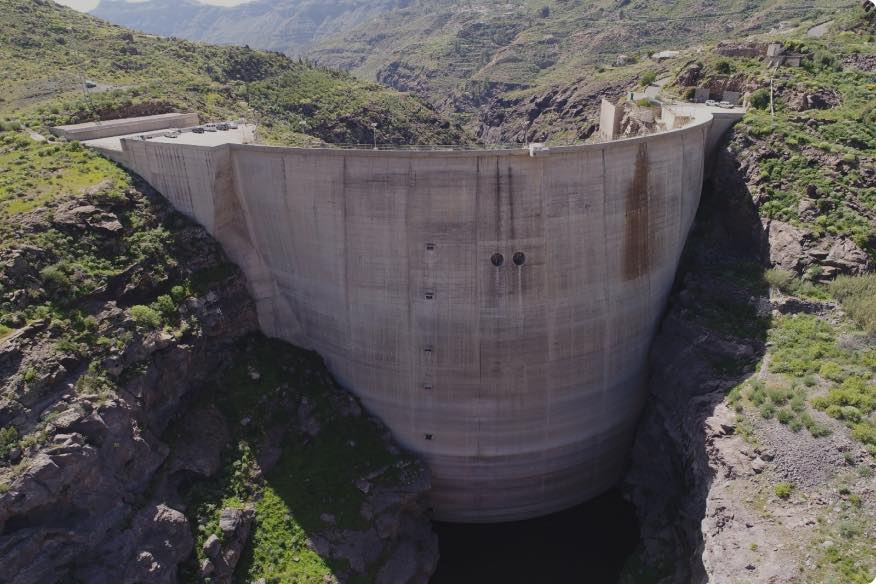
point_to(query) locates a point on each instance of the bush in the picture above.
(8, 439)
(179, 293)
(832, 371)
(724, 67)
(760, 99)
(779, 395)
(865, 432)
(858, 297)
(783, 490)
(648, 78)
(785, 416)
(165, 305)
(56, 281)
(767, 411)
(781, 279)
(145, 316)
(816, 429)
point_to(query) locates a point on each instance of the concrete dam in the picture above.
(493, 308)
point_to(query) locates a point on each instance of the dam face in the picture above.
(493, 308)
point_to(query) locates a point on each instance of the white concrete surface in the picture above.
(520, 385)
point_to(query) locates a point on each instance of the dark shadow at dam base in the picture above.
(588, 544)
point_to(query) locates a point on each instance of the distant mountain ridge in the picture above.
(289, 26)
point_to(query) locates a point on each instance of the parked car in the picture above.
(198, 130)
(726, 104)
(222, 127)
(210, 127)
(711, 102)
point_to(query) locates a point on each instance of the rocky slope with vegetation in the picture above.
(756, 453)
(148, 433)
(491, 64)
(47, 52)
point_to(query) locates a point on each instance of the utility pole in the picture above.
(374, 132)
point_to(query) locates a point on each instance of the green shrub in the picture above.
(779, 395)
(767, 411)
(145, 316)
(858, 297)
(179, 293)
(56, 281)
(785, 416)
(648, 78)
(832, 371)
(865, 432)
(756, 394)
(8, 440)
(798, 402)
(760, 99)
(783, 490)
(816, 429)
(724, 67)
(165, 305)
(783, 280)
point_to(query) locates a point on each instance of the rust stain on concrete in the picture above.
(637, 226)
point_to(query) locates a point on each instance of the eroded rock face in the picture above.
(801, 99)
(76, 498)
(796, 250)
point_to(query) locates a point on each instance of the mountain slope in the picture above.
(462, 56)
(290, 26)
(436, 45)
(46, 50)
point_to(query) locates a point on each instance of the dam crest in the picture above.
(493, 308)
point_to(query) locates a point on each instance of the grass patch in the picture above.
(315, 475)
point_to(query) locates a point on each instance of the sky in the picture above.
(86, 5)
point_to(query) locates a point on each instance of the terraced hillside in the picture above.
(290, 26)
(459, 54)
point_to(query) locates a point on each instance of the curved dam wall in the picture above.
(519, 383)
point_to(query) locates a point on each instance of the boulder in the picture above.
(846, 256)
(786, 245)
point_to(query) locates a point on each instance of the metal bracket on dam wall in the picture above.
(493, 308)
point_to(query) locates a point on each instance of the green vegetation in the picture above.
(8, 440)
(140, 74)
(783, 490)
(314, 475)
(858, 297)
(820, 154)
(145, 316)
(32, 174)
(810, 365)
(788, 283)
